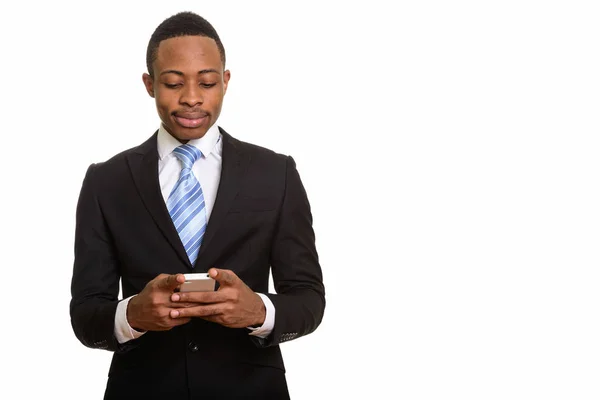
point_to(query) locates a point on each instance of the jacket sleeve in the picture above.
(95, 280)
(297, 276)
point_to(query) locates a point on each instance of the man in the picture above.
(193, 199)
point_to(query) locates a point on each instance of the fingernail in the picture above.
(174, 313)
(175, 297)
(213, 273)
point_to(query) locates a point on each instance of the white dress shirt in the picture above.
(207, 171)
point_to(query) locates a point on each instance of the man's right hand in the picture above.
(149, 310)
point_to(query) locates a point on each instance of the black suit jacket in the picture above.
(261, 220)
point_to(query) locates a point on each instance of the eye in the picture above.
(207, 85)
(172, 85)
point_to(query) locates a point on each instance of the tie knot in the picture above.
(188, 154)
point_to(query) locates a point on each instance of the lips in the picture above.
(190, 120)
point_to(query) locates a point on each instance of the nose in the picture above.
(191, 95)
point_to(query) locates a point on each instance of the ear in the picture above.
(149, 83)
(226, 77)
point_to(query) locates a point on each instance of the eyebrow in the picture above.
(204, 71)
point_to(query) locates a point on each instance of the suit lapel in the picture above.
(143, 162)
(234, 163)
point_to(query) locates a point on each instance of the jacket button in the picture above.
(193, 347)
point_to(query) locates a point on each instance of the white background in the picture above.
(450, 151)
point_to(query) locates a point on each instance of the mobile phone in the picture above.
(198, 282)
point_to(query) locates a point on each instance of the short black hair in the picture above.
(181, 24)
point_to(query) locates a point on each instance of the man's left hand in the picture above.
(233, 305)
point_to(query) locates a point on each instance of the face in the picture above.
(188, 85)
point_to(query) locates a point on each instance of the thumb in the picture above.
(223, 276)
(170, 282)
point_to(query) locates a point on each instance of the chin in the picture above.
(186, 134)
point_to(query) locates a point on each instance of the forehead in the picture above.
(187, 53)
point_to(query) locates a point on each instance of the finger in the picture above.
(178, 321)
(201, 297)
(170, 323)
(170, 282)
(181, 304)
(219, 319)
(223, 276)
(199, 311)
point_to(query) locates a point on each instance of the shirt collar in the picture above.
(206, 144)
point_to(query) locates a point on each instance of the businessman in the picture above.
(190, 199)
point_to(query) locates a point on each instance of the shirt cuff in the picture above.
(124, 332)
(267, 327)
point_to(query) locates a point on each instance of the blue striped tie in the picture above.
(186, 203)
